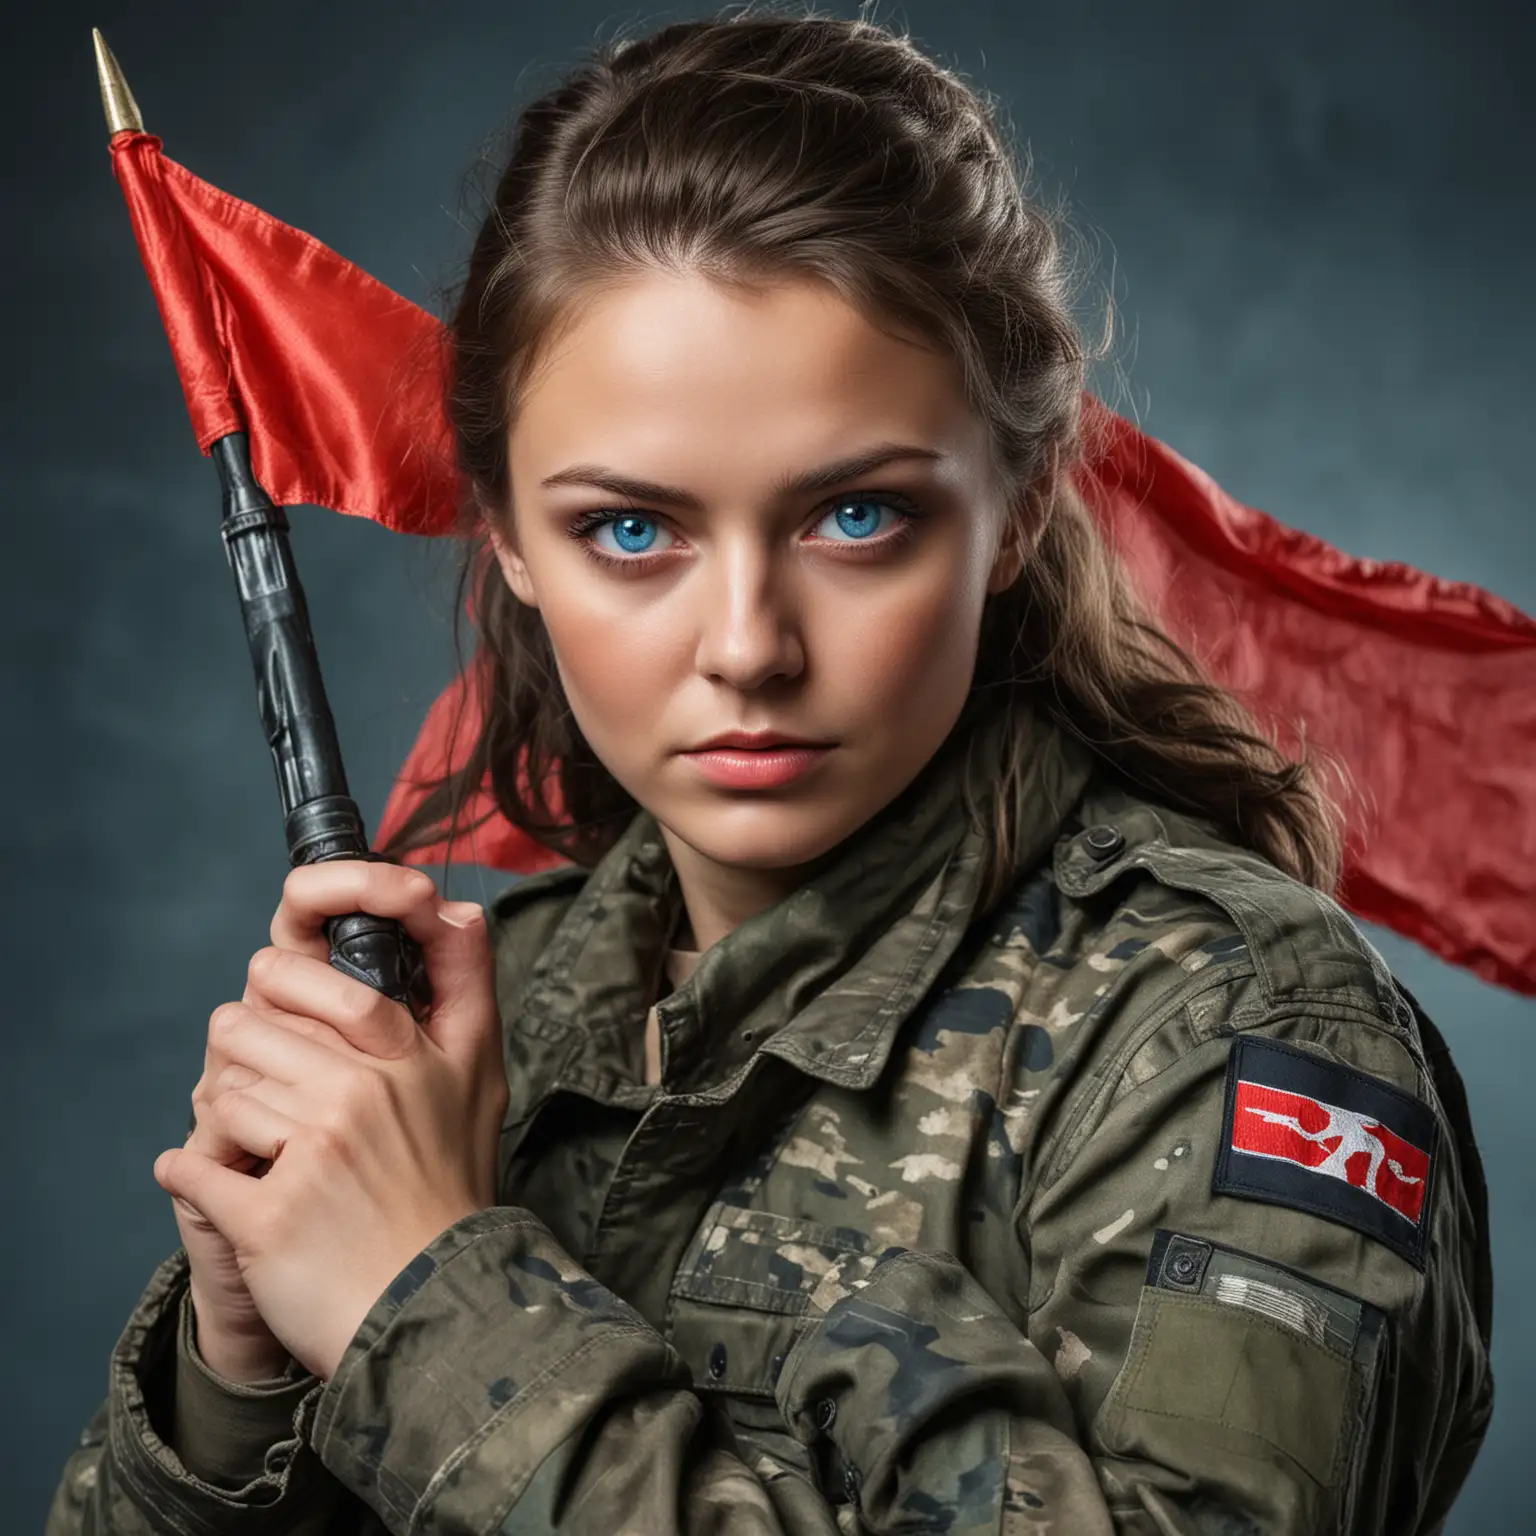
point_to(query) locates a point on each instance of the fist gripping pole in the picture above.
(321, 820)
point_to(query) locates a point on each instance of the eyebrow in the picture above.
(820, 479)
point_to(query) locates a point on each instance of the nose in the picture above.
(749, 628)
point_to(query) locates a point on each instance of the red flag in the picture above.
(445, 740)
(1425, 688)
(336, 377)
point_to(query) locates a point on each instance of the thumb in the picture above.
(219, 1194)
(462, 971)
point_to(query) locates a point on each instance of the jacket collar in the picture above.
(823, 979)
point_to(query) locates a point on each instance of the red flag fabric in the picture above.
(484, 835)
(337, 378)
(1425, 688)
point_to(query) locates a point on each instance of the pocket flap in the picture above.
(771, 1263)
(1234, 1358)
(741, 1289)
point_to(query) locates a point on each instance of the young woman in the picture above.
(942, 1093)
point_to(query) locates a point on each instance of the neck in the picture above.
(720, 897)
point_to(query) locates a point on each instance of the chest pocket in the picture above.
(741, 1293)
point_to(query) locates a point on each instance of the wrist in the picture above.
(239, 1358)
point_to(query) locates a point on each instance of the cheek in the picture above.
(913, 647)
(618, 664)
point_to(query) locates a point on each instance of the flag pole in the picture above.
(321, 819)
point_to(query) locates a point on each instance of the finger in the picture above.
(243, 1116)
(453, 937)
(247, 1039)
(215, 1062)
(287, 1100)
(303, 1024)
(220, 1074)
(218, 1194)
(234, 1076)
(314, 892)
(464, 1017)
(211, 1137)
(365, 1020)
(206, 1136)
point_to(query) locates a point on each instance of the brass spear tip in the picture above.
(116, 99)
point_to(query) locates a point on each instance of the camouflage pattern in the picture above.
(902, 1240)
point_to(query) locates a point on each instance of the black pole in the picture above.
(321, 819)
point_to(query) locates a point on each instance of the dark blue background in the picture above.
(1316, 217)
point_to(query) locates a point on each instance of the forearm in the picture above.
(495, 1376)
(496, 1383)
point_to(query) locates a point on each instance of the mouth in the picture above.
(756, 760)
(758, 741)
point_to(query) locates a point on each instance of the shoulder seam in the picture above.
(1199, 871)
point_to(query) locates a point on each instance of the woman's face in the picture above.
(760, 517)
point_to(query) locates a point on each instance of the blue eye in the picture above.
(631, 533)
(857, 519)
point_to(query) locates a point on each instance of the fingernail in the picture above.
(461, 914)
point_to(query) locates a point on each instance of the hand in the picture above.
(373, 1155)
(232, 1336)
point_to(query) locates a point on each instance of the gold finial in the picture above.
(116, 99)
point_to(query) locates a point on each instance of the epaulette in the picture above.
(1122, 833)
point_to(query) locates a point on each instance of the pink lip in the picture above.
(735, 767)
(755, 741)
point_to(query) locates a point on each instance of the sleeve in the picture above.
(223, 1429)
(497, 1386)
(1259, 1324)
(254, 1471)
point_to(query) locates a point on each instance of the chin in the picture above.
(762, 833)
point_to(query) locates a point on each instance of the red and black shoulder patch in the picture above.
(1306, 1132)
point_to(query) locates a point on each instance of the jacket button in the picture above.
(717, 1362)
(826, 1414)
(777, 1367)
(1185, 1267)
(1104, 841)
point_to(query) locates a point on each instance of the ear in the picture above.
(1022, 526)
(514, 571)
(1010, 559)
(1013, 549)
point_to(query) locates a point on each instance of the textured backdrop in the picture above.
(1317, 223)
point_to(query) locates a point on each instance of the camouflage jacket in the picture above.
(1145, 1201)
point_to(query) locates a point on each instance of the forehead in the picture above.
(676, 370)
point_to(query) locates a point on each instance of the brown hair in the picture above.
(687, 149)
